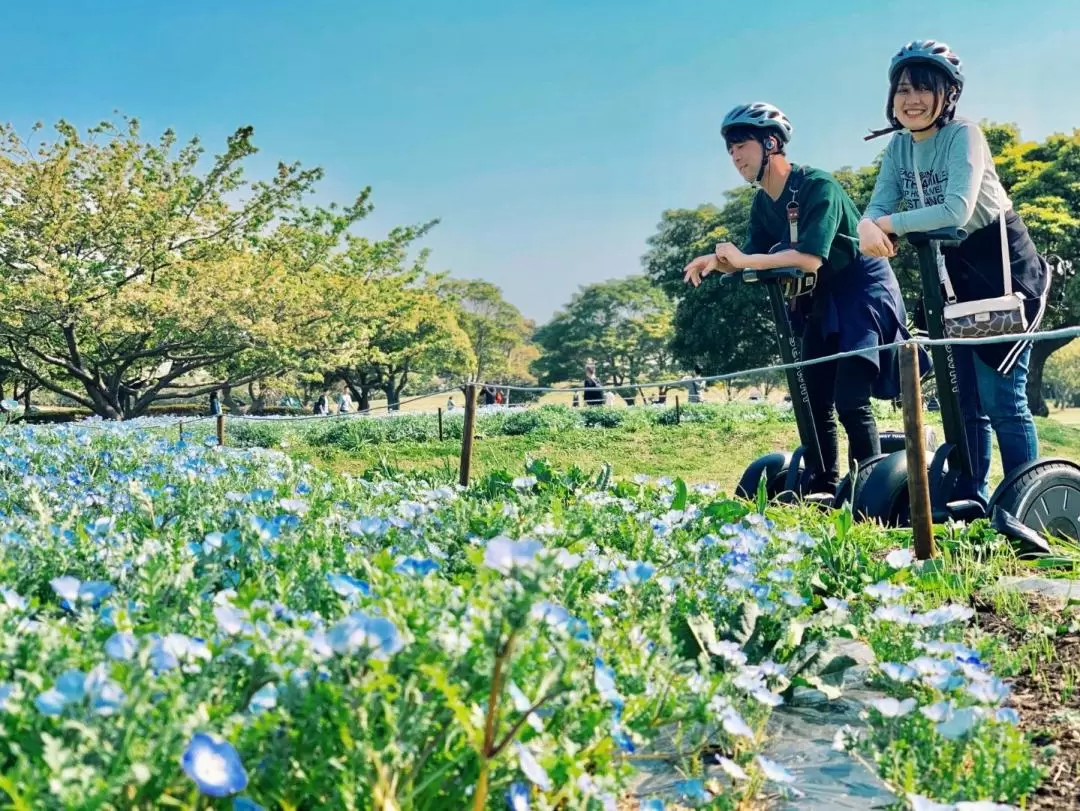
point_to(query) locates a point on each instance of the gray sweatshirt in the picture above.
(959, 181)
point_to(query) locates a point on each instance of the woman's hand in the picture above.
(700, 268)
(873, 241)
(730, 255)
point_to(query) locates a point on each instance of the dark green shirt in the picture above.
(828, 219)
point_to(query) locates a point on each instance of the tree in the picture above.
(1040, 179)
(623, 325)
(719, 326)
(496, 328)
(127, 270)
(1063, 375)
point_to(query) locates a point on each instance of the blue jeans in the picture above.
(989, 399)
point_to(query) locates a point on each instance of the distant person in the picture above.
(577, 400)
(345, 403)
(594, 393)
(215, 404)
(696, 386)
(498, 397)
(322, 405)
(449, 403)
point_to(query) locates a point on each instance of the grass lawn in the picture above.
(697, 452)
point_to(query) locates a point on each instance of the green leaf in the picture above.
(679, 503)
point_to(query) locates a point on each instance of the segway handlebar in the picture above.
(772, 275)
(952, 234)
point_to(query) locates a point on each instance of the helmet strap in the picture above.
(765, 157)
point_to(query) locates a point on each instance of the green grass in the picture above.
(700, 452)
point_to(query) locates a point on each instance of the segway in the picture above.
(1039, 498)
(787, 475)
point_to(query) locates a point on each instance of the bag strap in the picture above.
(943, 273)
(1006, 265)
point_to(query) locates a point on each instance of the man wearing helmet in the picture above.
(940, 170)
(801, 217)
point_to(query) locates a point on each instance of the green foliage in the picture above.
(624, 326)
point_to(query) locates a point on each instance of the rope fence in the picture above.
(166, 422)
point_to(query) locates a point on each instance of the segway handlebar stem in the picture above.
(954, 234)
(773, 275)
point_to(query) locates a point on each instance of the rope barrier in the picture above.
(1064, 332)
(1034, 337)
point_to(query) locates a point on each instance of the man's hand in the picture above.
(873, 241)
(730, 255)
(700, 268)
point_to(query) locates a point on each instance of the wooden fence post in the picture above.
(677, 417)
(467, 434)
(922, 524)
(440, 424)
(220, 430)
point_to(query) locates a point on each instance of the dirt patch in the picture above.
(1048, 700)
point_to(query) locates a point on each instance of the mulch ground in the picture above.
(1048, 700)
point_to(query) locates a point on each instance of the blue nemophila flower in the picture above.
(530, 768)
(901, 615)
(891, 708)
(107, 698)
(419, 567)
(605, 684)
(1006, 715)
(774, 771)
(294, 505)
(989, 691)
(885, 592)
(835, 606)
(960, 722)
(943, 615)
(347, 586)
(72, 591)
(517, 796)
(246, 804)
(232, 621)
(214, 765)
(638, 572)
(732, 769)
(370, 527)
(524, 482)
(7, 693)
(899, 672)
(781, 575)
(260, 496)
(560, 619)
(178, 650)
(900, 558)
(692, 790)
(265, 698)
(70, 688)
(729, 651)
(10, 599)
(121, 646)
(734, 724)
(358, 632)
(921, 803)
(651, 804)
(505, 554)
(794, 600)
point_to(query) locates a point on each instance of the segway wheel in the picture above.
(1045, 496)
(849, 489)
(883, 495)
(775, 468)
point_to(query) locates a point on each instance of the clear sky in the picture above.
(548, 136)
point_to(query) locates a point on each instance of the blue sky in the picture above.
(548, 136)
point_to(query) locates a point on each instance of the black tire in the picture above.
(844, 491)
(775, 467)
(883, 495)
(1044, 496)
